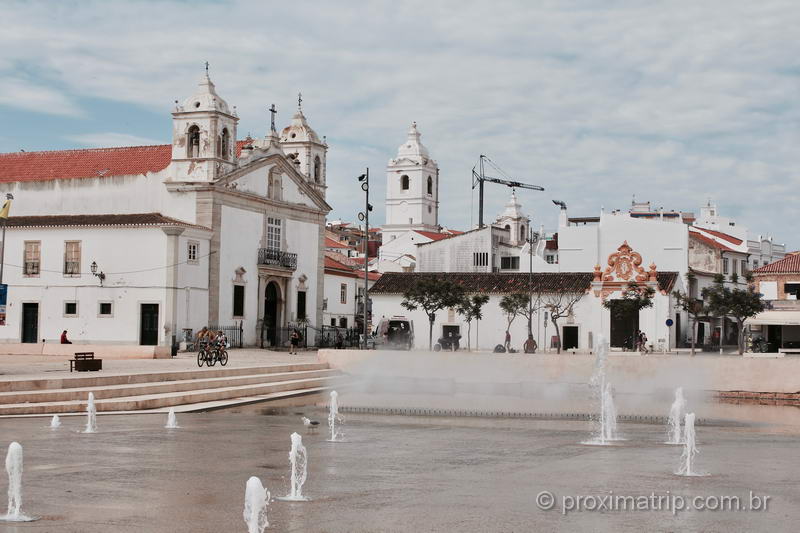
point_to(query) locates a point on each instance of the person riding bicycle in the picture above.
(221, 340)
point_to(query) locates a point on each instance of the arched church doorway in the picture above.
(271, 313)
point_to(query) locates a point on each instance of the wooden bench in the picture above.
(85, 362)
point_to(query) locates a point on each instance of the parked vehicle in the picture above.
(396, 332)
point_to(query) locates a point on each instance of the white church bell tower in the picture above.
(203, 135)
(412, 189)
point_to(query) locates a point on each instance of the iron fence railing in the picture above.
(270, 257)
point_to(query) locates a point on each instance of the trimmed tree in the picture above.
(635, 297)
(471, 309)
(431, 296)
(559, 304)
(694, 307)
(740, 304)
(513, 305)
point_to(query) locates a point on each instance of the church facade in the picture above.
(138, 245)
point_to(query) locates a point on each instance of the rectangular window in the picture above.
(70, 309)
(744, 267)
(343, 322)
(273, 233)
(725, 266)
(733, 266)
(509, 263)
(343, 293)
(191, 252)
(480, 258)
(301, 305)
(72, 258)
(333, 322)
(32, 258)
(105, 309)
(238, 301)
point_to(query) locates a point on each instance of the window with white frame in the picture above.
(725, 267)
(343, 293)
(480, 258)
(105, 309)
(192, 248)
(273, 233)
(744, 267)
(32, 259)
(70, 309)
(72, 258)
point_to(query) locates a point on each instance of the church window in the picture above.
(508, 228)
(317, 169)
(191, 252)
(273, 233)
(193, 142)
(238, 301)
(225, 143)
(430, 186)
(72, 258)
(274, 185)
(32, 258)
(404, 182)
(522, 233)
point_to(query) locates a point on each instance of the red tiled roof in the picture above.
(709, 241)
(788, 265)
(434, 236)
(128, 219)
(86, 163)
(723, 236)
(333, 243)
(336, 268)
(501, 283)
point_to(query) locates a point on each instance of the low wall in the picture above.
(101, 351)
(629, 373)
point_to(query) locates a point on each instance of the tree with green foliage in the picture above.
(471, 308)
(740, 304)
(560, 303)
(513, 305)
(431, 296)
(694, 307)
(635, 297)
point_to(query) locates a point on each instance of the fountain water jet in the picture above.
(14, 469)
(335, 418)
(55, 423)
(299, 470)
(172, 420)
(256, 500)
(605, 430)
(91, 415)
(676, 412)
(689, 449)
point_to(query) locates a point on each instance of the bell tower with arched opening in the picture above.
(412, 189)
(203, 136)
(304, 147)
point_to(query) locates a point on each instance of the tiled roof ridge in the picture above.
(71, 150)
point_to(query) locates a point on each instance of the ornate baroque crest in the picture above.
(625, 265)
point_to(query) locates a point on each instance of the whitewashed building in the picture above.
(206, 230)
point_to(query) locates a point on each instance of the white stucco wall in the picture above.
(118, 252)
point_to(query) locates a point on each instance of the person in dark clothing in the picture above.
(64, 339)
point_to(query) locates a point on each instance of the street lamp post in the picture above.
(364, 217)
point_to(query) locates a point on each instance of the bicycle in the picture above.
(219, 353)
(204, 355)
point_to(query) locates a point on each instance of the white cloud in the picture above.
(23, 94)
(110, 139)
(671, 101)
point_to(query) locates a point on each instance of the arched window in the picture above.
(317, 169)
(508, 228)
(404, 182)
(193, 142)
(225, 143)
(522, 232)
(430, 186)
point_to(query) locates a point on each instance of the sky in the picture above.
(675, 102)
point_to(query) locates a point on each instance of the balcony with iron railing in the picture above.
(277, 258)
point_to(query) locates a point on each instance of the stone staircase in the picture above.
(193, 390)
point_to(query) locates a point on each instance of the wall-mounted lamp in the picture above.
(98, 274)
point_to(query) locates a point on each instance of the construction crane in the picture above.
(479, 177)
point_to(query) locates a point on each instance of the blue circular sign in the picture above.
(669, 322)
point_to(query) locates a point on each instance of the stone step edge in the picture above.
(68, 382)
(269, 377)
(166, 398)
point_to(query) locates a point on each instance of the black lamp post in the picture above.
(364, 217)
(100, 274)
